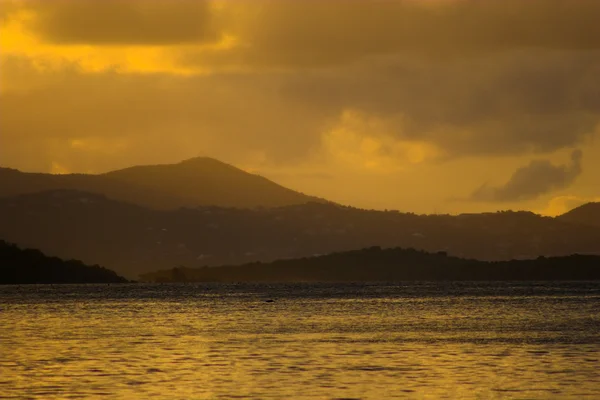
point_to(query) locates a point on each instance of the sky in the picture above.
(430, 106)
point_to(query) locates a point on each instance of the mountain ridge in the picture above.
(195, 182)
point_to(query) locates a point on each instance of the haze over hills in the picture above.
(195, 182)
(587, 214)
(132, 239)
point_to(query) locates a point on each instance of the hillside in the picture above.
(587, 214)
(191, 183)
(375, 264)
(18, 266)
(206, 181)
(131, 239)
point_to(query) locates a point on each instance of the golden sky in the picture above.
(425, 106)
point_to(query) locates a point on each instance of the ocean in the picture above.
(487, 340)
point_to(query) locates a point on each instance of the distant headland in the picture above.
(395, 264)
(28, 266)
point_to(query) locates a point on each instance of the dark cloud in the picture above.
(509, 103)
(307, 34)
(529, 182)
(123, 22)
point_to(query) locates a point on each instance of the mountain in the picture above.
(587, 214)
(133, 240)
(389, 265)
(191, 183)
(18, 266)
(206, 181)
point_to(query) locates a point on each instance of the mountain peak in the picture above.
(202, 160)
(206, 162)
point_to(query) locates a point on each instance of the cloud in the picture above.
(510, 104)
(316, 33)
(159, 116)
(7, 7)
(359, 141)
(306, 34)
(118, 22)
(529, 182)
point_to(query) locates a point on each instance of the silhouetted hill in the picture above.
(587, 214)
(375, 264)
(19, 266)
(191, 183)
(131, 239)
(206, 181)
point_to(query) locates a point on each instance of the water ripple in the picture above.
(424, 340)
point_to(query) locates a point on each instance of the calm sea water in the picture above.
(426, 340)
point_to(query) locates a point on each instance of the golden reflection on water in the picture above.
(106, 344)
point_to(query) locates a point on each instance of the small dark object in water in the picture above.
(270, 301)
